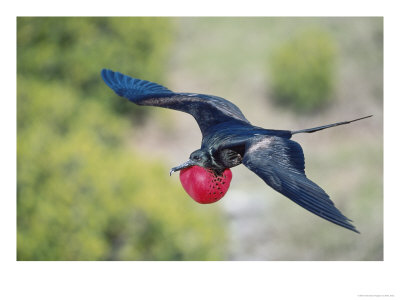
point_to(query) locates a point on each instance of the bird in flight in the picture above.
(229, 140)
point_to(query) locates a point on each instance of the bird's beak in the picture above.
(185, 165)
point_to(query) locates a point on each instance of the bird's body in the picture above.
(225, 142)
(229, 139)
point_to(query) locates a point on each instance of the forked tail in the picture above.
(309, 130)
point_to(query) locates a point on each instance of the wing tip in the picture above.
(345, 223)
(107, 76)
(104, 73)
(115, 81)
(349, 226)
(352, 228)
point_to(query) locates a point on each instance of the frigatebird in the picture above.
(229, 140)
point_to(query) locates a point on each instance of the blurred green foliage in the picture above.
(81, 193)
(74, 50)
(303, 70)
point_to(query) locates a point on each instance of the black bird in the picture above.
(230, 140)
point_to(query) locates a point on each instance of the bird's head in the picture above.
(199, 158)
(200, 179)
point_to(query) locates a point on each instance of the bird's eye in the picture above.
(196, 157)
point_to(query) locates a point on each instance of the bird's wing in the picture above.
(280, 163)
(206, 109)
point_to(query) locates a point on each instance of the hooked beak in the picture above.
(185, 165)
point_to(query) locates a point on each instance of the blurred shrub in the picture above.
(82, 196)
(302, 71)
(81, 193)
(74, 50)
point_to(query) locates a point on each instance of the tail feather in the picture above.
(314, 129)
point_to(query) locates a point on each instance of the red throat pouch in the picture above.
(203, 185)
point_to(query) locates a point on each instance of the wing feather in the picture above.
(208, 110)
(280, 163)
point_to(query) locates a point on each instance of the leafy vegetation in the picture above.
(302, 71)
(74, 50)
(82, 194)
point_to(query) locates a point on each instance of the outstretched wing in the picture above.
(280, 163)
(206, 109)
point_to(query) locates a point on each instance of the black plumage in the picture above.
(229, 140)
